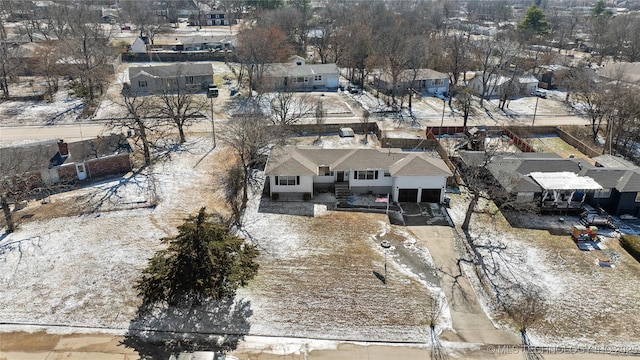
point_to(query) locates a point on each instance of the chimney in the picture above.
(63, 147)
(579, 165)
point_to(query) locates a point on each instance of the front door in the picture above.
(81, 171)
(340, 176)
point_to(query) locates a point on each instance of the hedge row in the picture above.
(631, 243)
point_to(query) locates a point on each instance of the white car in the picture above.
(539, 93)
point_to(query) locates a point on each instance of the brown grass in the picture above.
(335, 285)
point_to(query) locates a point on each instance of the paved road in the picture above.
(43, 346)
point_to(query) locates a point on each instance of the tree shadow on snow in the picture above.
(158, 331)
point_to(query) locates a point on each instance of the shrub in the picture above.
(275, 196)
(306, 196)
(631, 243)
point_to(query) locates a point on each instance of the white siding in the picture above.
(419, 182)
(525, 197)
(306, 186)
(323, 179)
(331, 80)
(380, 181)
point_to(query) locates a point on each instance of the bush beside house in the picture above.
(631, 243)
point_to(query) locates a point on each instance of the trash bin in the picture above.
(447, 201)
(233, 91)
(341, 87)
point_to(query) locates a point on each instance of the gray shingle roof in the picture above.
(305, 160)
(287, 69)
(176, 70)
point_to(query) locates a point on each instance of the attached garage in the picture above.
(407, 195)
(430, 195)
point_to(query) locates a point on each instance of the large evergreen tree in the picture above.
(534, 23)
(203, 261)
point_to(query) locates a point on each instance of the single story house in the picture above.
(193, 43)
(298, 76)
(426, 81)
(147, 80)
(499, 84)
(564, 183)
(405, 176)
(620, 181)
(51, 162)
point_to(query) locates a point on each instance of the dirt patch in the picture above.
(20, 341)
(554, 144)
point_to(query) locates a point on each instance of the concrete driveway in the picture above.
(470, 322)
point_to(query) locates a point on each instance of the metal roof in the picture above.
(564, 181)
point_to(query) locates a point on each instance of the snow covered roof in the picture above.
(564, 181)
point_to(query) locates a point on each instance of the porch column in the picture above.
(584, 196)
(555, 197)
(570, 197)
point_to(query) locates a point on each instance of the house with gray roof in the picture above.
(296, 75)
(405, 176)
(525, 176)
(148, 80)
(499, 84)
(426, 81)
(621, 189)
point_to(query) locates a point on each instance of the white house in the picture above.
(139, 46)
(525, 84)
(406, 176)
(297, 75)
(423, 80)
(147, 80)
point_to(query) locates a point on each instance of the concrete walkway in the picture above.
(470, 322)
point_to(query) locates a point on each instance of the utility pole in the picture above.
(213, 124)
(444, 103)
(535, 110)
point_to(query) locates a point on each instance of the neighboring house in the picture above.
(147, 80)
(195, 43)
(499, 84)
(426, 81)
(52, 162)
(212, 17)
(139, 45)
(297, 75)
(405, 176)
(620, 181)
(564, 183)
(548, 75)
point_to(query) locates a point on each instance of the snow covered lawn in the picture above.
(586, 304)
(74, 261)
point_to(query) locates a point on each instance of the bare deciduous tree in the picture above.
(248, 135)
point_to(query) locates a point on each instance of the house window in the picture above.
(603, 194)
(142, 84)
(317, 78)
(287, 180)
(387, 173)
(300, 79)
(437, 82)
(367, 175)
(638, 196)
(324, 171)
(189, 79)
(170, 82)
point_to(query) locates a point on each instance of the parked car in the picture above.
(353, 89)
(539, 93)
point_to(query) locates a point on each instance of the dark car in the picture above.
(353, 89)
